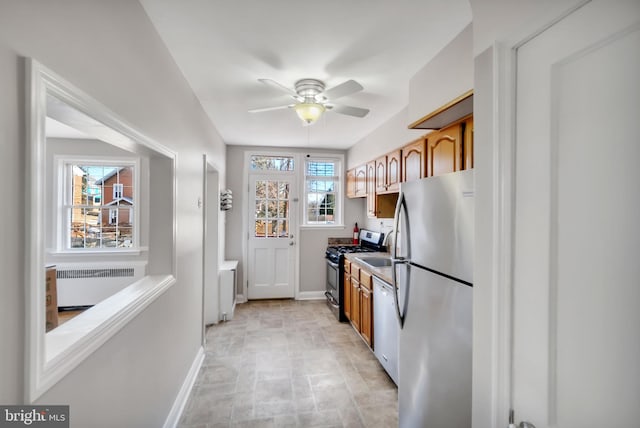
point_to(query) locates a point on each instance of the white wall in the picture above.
(512, 20)
(110, 51)
(389, 136)
(447, 76)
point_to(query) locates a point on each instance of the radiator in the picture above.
(228, 289)
(86, 286)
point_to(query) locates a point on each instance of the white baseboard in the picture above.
(183, 395)
(303, 295)
(311, 295)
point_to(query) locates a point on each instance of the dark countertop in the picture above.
(384, 273)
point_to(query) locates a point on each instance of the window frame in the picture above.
(338, 191)
(64, 176)
(50, 356)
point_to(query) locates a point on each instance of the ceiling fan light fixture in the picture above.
(309, 112)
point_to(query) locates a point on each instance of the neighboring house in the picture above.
(117, 194)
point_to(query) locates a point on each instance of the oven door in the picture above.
(333, 286)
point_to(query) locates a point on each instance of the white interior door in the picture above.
(576, 324)
(271, 249)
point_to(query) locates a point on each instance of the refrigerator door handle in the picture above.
(399, 315)
(401, 209)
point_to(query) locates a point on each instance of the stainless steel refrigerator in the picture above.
(433, 274)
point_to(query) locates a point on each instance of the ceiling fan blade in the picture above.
(280, 87)
(260, 110)
(343, 89)
(349, 110)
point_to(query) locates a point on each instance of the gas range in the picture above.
(333, 253)
(369, 242)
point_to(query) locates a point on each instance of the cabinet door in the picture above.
(347, 295)
(366, 280)
(394, 169)
(366, 319)
(468, 144)
(355, 304)
(414, 160)
(444, 151)
(351, 183)
(371, 189)
(361, 181)
(381, 174)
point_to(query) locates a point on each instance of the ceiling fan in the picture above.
(313, 100)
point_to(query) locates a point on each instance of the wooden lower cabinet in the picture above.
(360, 302)
(355, 304)
(347, 295)
(366, 307)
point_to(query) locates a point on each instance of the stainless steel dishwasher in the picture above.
(385, 327)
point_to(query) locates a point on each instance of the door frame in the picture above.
(210, 203)
(245, 219)
(493, 304)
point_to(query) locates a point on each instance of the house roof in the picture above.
(108, 176)
(115, 201)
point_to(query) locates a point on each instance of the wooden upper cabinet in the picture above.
(394, 170)
(351, 183)
(388, 172)
(361, 181)
(414, 160)
(468, 144)
(381, 174)
(444, 150)
(371, 189)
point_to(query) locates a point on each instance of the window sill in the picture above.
(322, 226)
(71, 343)
(106, 251)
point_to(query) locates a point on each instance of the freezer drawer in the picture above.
(385, 327)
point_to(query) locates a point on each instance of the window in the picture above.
(117, 190)
(271, 163)
(99, 205)
(322, 192)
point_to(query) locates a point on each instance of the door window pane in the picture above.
(272, 208)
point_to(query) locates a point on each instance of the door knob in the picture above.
(291, 244)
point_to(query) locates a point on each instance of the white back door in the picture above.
(271, 248)
(576, 324)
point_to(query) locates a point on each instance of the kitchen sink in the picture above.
(375, 261)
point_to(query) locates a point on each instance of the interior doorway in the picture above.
(210, 257)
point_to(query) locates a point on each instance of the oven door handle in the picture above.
(332, 264)
(331, 299)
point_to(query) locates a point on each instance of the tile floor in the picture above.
(285, 363)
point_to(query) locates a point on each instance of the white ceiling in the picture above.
(224, 46)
